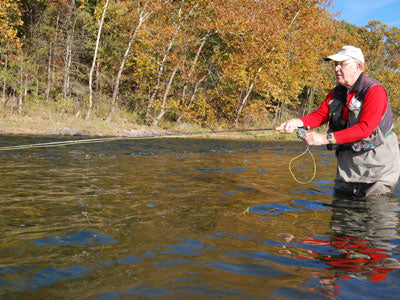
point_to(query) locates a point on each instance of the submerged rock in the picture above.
(142, 132)
(70, 132)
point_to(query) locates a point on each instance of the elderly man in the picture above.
(360, 128)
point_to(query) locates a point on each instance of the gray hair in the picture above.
(362, 65)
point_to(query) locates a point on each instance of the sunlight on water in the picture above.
(188, 219)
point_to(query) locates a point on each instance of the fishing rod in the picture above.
(109, 139)
(300, 132)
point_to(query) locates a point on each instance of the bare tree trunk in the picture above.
(162, 64)
(3, 99)
(192, 97)
(160, 72)
(21, 93)
(246, 97)
(203, 41)
(36, 79)
(26, 86)
(310, 97)
(142, 17)
(13, 100)
(162, 111)
(52, 70)
(94, 62)
(68, 56)
(49, 74)
(98, 87)
(278, 114)
(66, 73)
(244, 101)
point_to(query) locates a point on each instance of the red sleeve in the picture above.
(372, 111)
(319, 116)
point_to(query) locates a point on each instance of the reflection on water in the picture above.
(365, 235)
(188, 219)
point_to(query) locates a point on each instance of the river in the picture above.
(177, 218)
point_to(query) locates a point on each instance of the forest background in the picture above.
(114, 65)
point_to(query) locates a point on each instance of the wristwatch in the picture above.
(329, 136)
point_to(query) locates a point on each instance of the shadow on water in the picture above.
(188, 219)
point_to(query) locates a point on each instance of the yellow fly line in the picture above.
(108, 139)
(58, 144)
(314, 165)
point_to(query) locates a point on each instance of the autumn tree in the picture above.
(10, 19)
(272, 50)
(216, 63)
(382, 52)
(10, 44)
(141, 11)
(96, 48)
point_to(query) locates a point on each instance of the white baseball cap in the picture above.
(347, 52)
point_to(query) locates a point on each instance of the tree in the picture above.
(10, 19)
(143, 12)
(10, 44)
(382, 51)
(271, 45)
(101, 21)
(217, 63)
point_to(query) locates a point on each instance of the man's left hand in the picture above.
(315, 139)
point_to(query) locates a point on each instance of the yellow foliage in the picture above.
(210, 61)
(10, 19)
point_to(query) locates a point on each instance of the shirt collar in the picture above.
(356, 86)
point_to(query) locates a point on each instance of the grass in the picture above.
(41, 120)
(38, 119)
(52, 122)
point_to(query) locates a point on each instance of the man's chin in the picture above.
(340, 80)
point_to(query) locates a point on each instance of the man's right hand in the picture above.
(290, 126)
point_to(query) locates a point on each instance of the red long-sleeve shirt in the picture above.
(372, 111)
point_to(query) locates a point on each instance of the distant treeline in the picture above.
(212, 62)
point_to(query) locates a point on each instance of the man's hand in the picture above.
(290, 125)
(315, 139)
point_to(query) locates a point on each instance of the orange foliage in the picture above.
(208, 61)
(10, 19)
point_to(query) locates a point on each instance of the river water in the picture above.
(188, 219)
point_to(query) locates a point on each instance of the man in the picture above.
(360, 128)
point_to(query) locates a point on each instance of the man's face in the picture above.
(346, 72)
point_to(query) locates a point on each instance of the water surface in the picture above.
(188, 219)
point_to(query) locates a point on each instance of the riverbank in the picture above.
(41, 121)
(51, 123)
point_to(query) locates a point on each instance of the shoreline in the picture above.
(68, 126)
(149, 133)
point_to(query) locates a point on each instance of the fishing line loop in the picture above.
(301, 131)
(314, 165)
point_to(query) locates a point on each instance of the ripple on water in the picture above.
(85, 238)
(123, 220)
